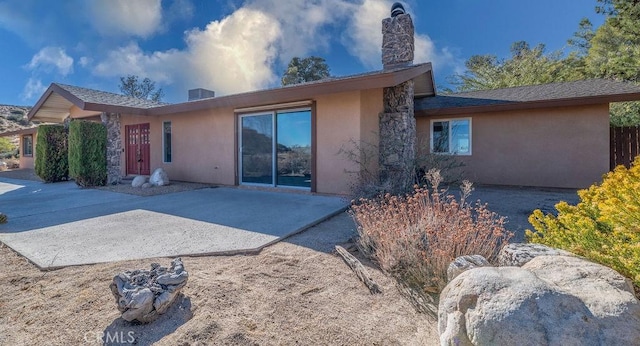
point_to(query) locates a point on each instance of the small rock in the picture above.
(142, 295)
(465, 263)
(159, 177)
(517, 254)
(138, 181)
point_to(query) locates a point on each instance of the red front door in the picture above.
(138, 149)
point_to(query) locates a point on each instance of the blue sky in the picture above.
(235, 46)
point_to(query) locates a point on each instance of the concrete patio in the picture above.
(58, 225)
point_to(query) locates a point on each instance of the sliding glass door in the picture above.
(256, 153)
(275, 148)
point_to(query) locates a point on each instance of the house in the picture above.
(27, 145)
(554, 135)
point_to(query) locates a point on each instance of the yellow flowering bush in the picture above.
(603, 227)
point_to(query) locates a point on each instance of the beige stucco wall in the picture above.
(204, 142)
(564, 147)
(28, 161)
(203, 145)
(342, 120)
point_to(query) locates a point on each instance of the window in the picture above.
(275, 148)
(27, 145)
(451, 136)
(166, 141)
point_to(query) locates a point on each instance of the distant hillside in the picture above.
(13, 118)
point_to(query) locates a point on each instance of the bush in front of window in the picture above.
(415, 237)
(51, 162)
(87, 153)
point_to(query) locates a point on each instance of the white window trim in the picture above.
(451, 137)
(164, 154)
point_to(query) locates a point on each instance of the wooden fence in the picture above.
(625, 145)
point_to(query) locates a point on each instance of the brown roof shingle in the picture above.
(591, 91)
(106, 98)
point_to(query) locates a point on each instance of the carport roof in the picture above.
(583, 92)
(57, 101)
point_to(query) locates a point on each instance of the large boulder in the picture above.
(159, 178)
(464, 263)
(517, 254)
(138, 181)
(551, 300)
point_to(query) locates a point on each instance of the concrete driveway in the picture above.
(57, 225)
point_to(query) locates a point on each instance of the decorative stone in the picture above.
(138, 181)
(397, 41)
(159, 178)
(143, 295)
(517, 254)
(114, 147)
(397, 127)
(464, 263)
(551, 300)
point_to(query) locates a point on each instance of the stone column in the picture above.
(114, 147)
(397, 122)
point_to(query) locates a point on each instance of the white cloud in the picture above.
(52, 57)
(130, 59)
(242, 51)
(33, 88)
(84, 61)
(125, 17)
(231, 55)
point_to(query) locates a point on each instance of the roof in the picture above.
(27, 131)
(56, 103)
(583, 92)
(58, 99)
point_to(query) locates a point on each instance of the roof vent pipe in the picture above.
(397, 9)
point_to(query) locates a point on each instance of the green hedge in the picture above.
(51, 162)
(87, 153)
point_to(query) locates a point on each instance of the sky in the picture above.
(233, 46)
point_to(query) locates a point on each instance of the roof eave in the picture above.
(58, 90)
(296, 92)
(576, 101)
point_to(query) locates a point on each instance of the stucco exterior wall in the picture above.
(204, 142)
(28, 161)
(203, 145)
(564, 147)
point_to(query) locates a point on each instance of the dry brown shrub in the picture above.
(415, 237)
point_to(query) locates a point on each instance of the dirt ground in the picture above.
(296, 292)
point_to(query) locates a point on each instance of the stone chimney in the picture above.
(397, 38)
(397, 127)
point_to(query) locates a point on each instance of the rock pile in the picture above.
(143, 295)
(540, 297)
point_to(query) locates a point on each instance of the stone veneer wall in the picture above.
(114, 146)
(397, 41)
(397, 122)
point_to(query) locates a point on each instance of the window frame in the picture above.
(450, 120)
(24, 151)
(274, 112)
(164, 148)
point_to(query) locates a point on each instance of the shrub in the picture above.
(603, 227)
(51, 162)
(416, 237)
(87, 153)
